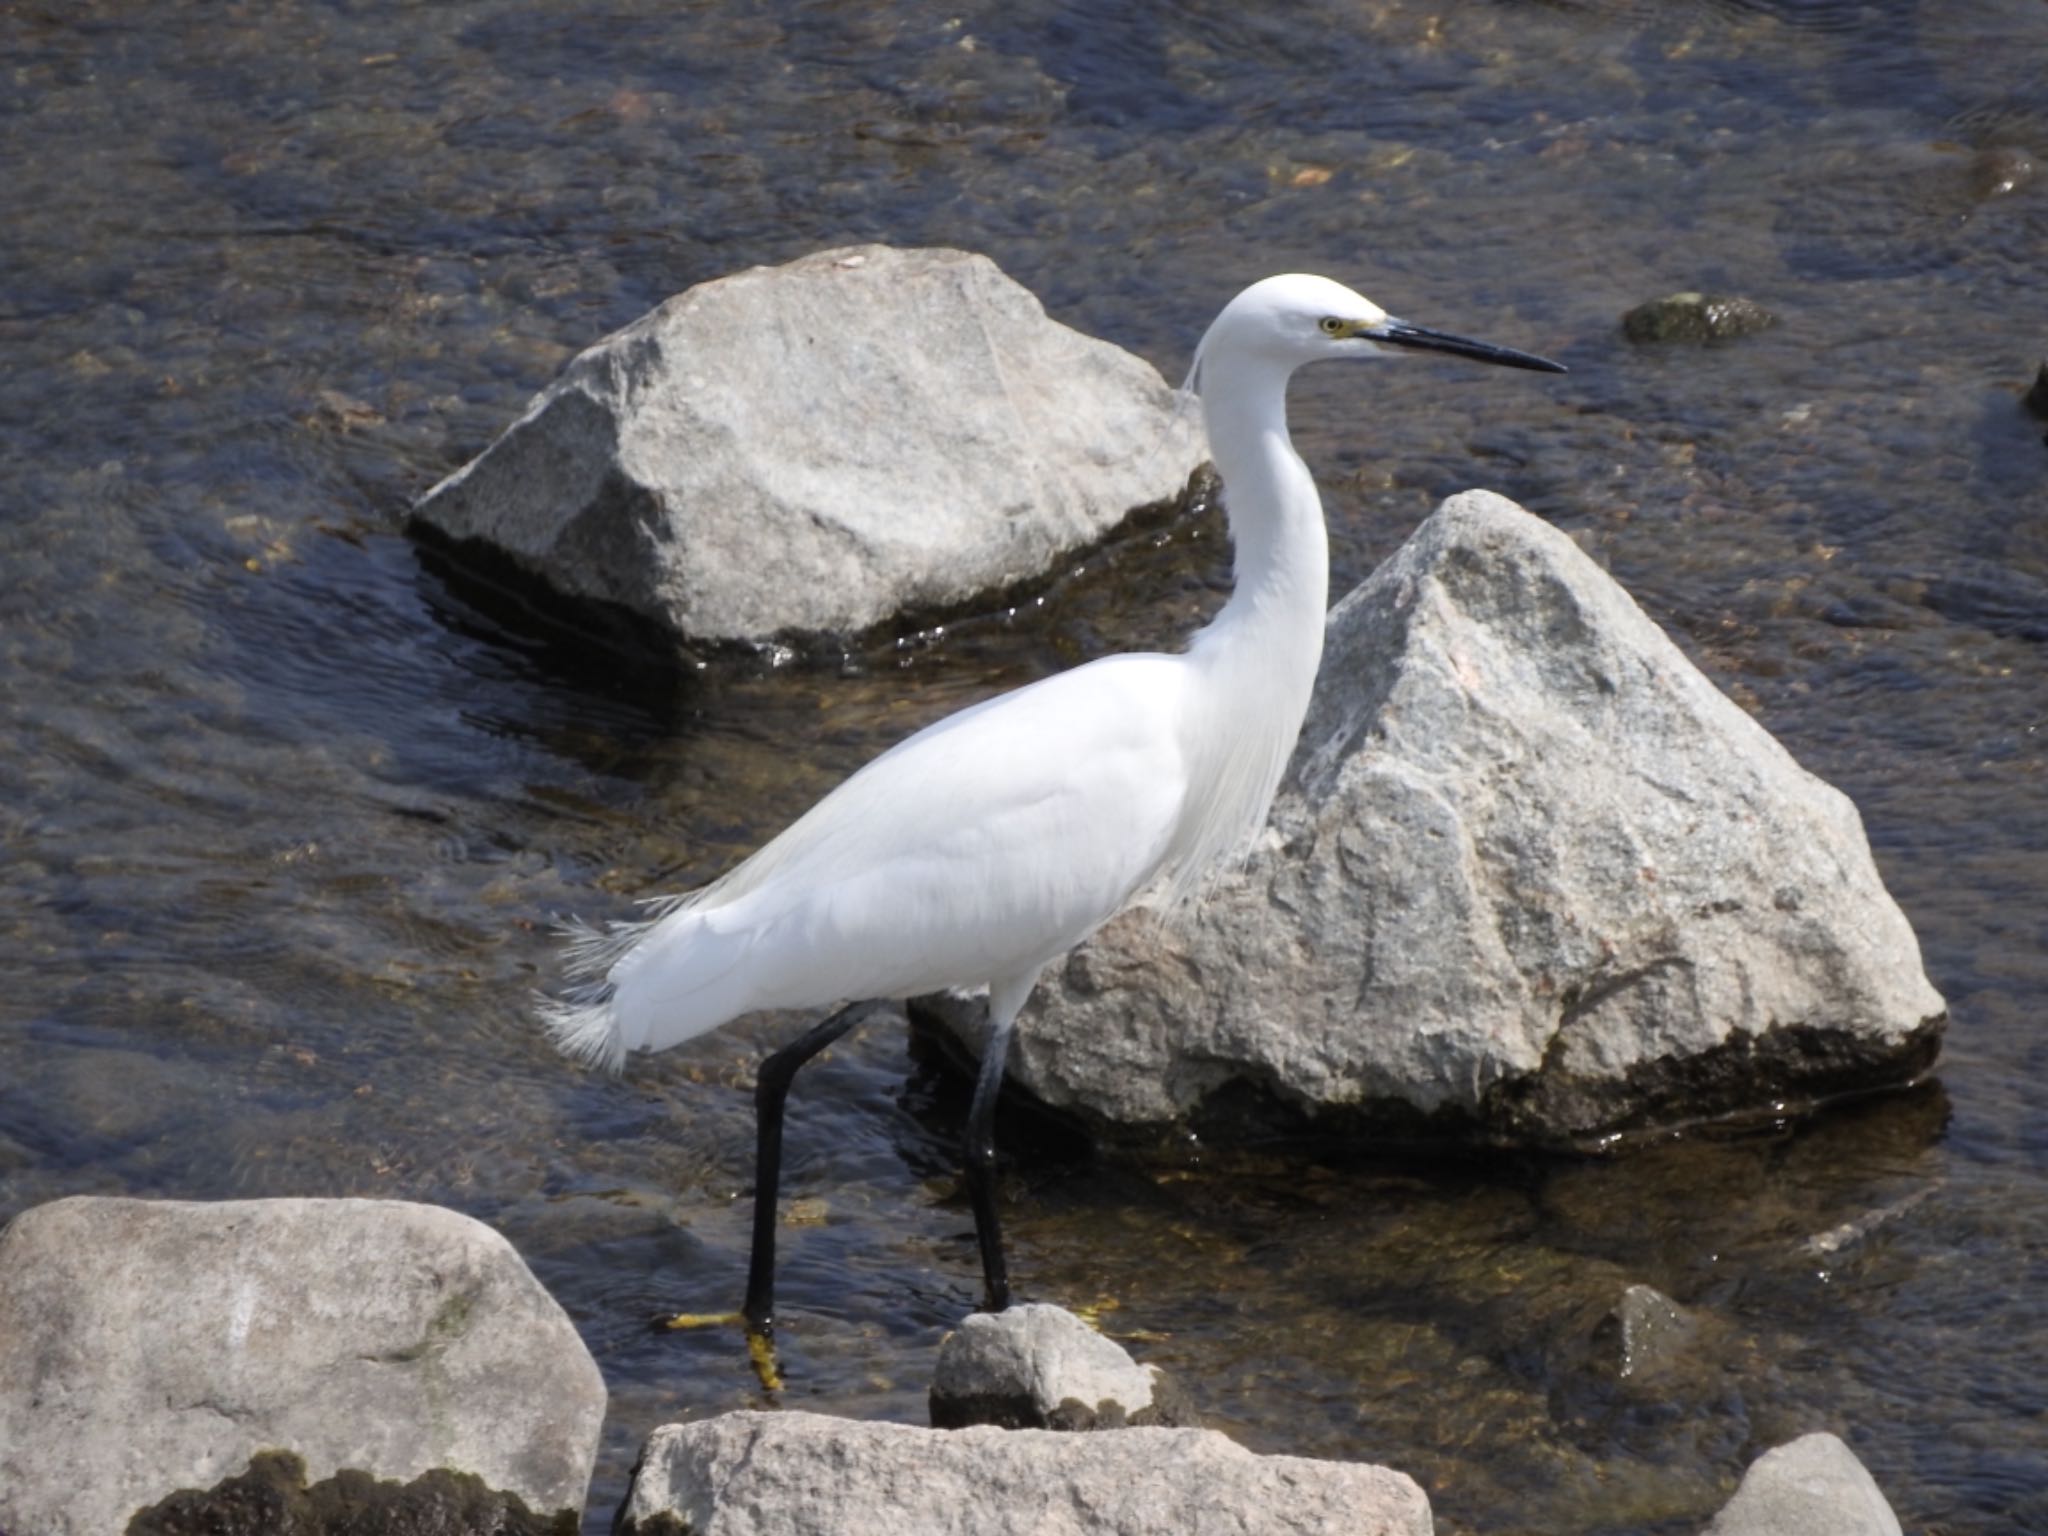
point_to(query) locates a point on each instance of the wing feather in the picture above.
(982, 846)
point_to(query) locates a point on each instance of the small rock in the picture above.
(1036, 1366)
(1645, 1333)
(817, 447)
(800, 1474)
(335, 411)
(1696, 317)
(1814, 1486)
(152, 1346)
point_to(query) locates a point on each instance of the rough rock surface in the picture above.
(799, 1474)
(1530, 874)
(150, 1346)
(1037, 1366)
(814, 447)
(1814, 1486)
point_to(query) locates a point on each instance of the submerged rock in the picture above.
(1530, 876)
(1814, 1486)
(800, 1474)
(815, 447)
(1645, 1334)
(1696, 317)
(1847, 1235)
(152, 1346)
(1037, 1366)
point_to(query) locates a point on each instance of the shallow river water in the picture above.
(285, 812)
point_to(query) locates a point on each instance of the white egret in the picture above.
(992, 842)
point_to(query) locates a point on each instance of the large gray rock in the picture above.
(1036, 1366)
(799, 1474)
(1814, 1486)
(148, 1346)
(816, 446)
(1530, 872)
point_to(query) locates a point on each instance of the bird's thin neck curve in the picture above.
(1257, 659)
(1282, 559)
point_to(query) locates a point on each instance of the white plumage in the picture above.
(996, 839)
(992, 842)
(908, 877)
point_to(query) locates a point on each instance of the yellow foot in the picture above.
(761, 1351)
(1094, 1313)
(760, 1347)
(704, 1320)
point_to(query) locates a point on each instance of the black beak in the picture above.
(1401, 334)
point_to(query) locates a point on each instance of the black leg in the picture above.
(981, 1167)
(771, 1091)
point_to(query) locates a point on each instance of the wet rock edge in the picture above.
(1794, 1071)
(518, 594)
(1170, 1408)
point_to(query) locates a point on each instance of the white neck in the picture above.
(1276, 517)
(1258, 656)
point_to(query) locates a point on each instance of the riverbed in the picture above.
(287, 807)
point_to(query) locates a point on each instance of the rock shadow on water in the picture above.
(606, 647)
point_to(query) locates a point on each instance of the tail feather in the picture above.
(581, 1025)
(643, 985)
(582, 1022)
(590, 951)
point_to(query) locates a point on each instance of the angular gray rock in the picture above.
(1531, 875)
(148, 1346)
(814, 447)
(800, 1474)
(1037, 1366)
(1645, 1333)
(1814, 1486)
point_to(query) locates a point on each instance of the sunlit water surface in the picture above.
(284, 811)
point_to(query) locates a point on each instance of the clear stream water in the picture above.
(284, 813)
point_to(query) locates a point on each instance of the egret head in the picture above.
(1298, 318)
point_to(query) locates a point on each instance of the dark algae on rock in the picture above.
(272, 1498)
